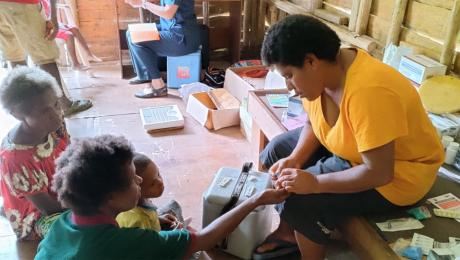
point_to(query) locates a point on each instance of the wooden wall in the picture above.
(424, 24)
(98, 24)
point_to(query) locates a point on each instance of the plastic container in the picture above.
(253, 230)
(183, 69)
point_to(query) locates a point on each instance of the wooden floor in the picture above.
(187, 158)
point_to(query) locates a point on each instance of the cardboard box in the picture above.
(201, 107)
(238, 86)
(417, 67)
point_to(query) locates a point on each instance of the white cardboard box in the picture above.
(201, 108)
(239, 86)
(417, 67)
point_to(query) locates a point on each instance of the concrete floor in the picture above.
(187, 158)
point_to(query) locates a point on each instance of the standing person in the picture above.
(179, 35)
(24, 31)
(384, 153)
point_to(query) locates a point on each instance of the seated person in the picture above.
(179, 35)
(369, 145)
(96, 179)
(70, 34)
(29, 149)
(145, 215)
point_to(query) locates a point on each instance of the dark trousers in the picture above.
(317, 215)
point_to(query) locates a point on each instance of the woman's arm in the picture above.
(167, 12)
(224, 225)
(45, 203)
(377, 170)
(306, 146)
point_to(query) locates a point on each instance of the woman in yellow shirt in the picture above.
(383, 150)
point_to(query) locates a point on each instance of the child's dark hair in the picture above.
(291, 39)
(141, 161)
(23, 84)
(89, 170)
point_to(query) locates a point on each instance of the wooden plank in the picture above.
(447, 4)
(378, 29)
(343, 3)
(365, 241)
(331, 17)
(383, 8)
(457, 63)
(453, 26)
(363, 16)
(396, 21)
(363, 42)
(353, 15)
(425, 18)
(261, 21)
(310, 5)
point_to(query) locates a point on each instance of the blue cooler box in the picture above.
(183, 69)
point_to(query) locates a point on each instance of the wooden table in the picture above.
(360, 235)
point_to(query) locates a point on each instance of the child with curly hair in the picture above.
(28, 151)
(145, 215)
(96, 179)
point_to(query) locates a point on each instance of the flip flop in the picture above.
(152, 92)
(282, 248)
(78, 106)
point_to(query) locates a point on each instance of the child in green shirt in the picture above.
(95, 178)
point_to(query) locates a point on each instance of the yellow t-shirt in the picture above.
(139, 217)
(378, 106)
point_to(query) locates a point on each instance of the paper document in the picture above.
(143, 32)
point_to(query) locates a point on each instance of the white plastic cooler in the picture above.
(256, 226)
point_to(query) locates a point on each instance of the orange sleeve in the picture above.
(376, 116)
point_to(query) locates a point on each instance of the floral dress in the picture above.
(28, 170)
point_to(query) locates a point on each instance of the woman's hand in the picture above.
(272, 196)
(134, 3)
(282, 164)
(297, 181)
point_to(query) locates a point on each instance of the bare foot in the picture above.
(94, 58)
(80, 68)
(157, 83)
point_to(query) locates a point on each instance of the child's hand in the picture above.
(272, 196)
(169, 220)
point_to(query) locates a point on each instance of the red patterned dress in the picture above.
(27, 170)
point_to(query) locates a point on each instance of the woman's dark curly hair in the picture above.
(291, 39)
(89, 170)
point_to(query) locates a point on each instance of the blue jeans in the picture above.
(316, 215)
(144, 55)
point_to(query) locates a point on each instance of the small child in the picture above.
(145, 215)
(28, 151)
(96, 179)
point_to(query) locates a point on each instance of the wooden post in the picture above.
(353, 15)
(396, 21)
(261, 21)
(363, 16)
(206, 12)
(453, 26)
(247, 21)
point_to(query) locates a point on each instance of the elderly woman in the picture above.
(179, 35)
(368, 147)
